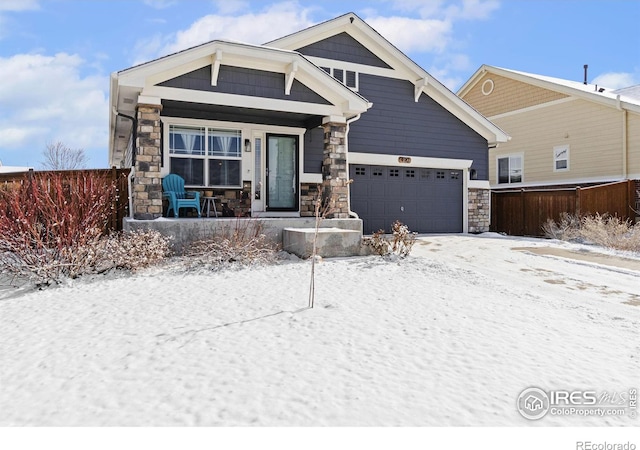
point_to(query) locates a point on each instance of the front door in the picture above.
(282, 173)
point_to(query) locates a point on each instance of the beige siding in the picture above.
(508, 95)
(633, 146)
(594, 133)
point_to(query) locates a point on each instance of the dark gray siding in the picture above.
(313, 150)
(249, 82)
(343, 47)
(189, 110)
(396, 124)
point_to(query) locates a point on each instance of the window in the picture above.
(561, 158)
(360, 171)
(410, 173)
(510, 169)
(394, 172)
(205, 156)
(347, 77)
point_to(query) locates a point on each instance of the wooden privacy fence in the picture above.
(523, 212)
(119, 202)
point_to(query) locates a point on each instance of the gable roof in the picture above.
(357, 28)
(144, 81)
(590, 92)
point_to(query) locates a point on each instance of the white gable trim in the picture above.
(551, 84)
(217, 53)
(404, 67)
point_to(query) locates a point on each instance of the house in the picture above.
(563, 133)
(13, 169)
(263, 125)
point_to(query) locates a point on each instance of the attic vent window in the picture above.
(347, 77)
(487, 87)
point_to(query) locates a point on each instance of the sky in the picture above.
(56, 56)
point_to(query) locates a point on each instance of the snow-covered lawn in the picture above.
(449, 336)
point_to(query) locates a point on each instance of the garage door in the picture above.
(426, 200)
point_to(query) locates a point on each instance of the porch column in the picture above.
(335, 174)
(147, 187)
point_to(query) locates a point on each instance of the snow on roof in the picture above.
(14, 169)
(631, 91)
(631, 98)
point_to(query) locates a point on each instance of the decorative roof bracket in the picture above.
(215, 67)
(420, 86)
(291, 75)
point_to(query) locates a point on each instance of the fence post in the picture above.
(523, 229)
(578, 201)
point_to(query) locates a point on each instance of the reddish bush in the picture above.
(47, 218)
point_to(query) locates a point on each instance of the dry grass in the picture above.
(603, 230)
(244, 244)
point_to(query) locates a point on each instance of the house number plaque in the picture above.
(404, 160)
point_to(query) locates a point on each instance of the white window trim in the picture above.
(559, 148)
(511, 155)
(343, 80)
(248, 131)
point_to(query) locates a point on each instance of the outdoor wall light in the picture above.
(247, 145)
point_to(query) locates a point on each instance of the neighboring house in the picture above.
(14, 169)
(262, 126)
(563, 133)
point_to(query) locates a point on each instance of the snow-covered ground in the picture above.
(449, 336)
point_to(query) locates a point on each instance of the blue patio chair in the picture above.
(173, 189)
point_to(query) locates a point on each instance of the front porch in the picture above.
(184, 231)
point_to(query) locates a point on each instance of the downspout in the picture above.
(134, 129)
(346, 142)
(625, 155)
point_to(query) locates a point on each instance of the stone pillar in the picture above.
(147, 184)
(335, 174)
(479, 210)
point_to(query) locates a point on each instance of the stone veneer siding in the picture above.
(147, 183)
(479, 210)
(334, 170)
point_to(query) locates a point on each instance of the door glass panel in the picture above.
(282, 176)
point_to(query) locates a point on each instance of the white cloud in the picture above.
(274, 21)
(231, 7)
(160, 4)
(426, 35)
(473, 9)
(19, 5)
(617, 80)
(45, 99)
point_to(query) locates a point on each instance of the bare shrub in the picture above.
(379, 243)
(401, 242)
(44, 222)
(132, 251)
(403, 239)
(610, 232)
(566, 229)
(603, 230)
(244, 244)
